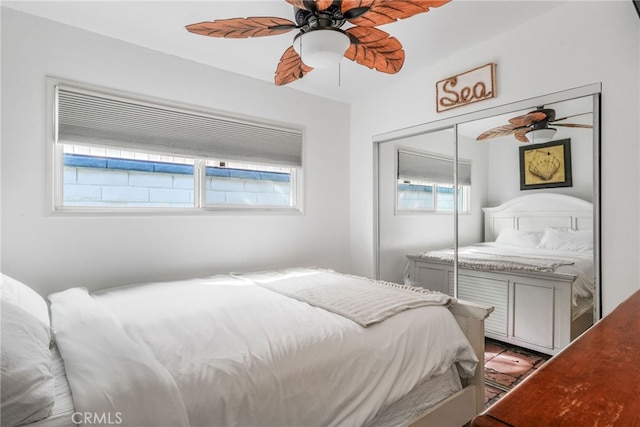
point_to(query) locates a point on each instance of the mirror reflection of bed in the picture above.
(535, 309)
(535, 267)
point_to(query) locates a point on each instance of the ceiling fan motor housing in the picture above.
(311, 20)
(542, 124)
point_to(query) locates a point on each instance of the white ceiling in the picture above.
(159, 25)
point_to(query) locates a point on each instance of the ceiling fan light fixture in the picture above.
(541, 134)
(322, 48)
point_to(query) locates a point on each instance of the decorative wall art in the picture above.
(545, 165)
(466, 88)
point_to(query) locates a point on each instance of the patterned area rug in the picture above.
(506, 366)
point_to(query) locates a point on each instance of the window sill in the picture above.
(186, 212)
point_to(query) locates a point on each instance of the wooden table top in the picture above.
(595, 381)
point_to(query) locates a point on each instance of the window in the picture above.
(108, 177)
(425, 182)
(228, 183)
(118, 153)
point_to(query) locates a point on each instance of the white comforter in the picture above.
(223, 351)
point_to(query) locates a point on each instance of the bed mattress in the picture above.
(401, 413)
(228, 352)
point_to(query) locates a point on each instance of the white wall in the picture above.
(53, 252)
(573, 45)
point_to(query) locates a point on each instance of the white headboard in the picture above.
(537, 212)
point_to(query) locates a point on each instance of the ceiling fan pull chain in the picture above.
(301, 62)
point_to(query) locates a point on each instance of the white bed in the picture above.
(234, 350)
(535, 267)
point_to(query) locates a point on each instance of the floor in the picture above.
(506, 366)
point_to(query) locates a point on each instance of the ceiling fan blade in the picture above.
(521, 135)
(573, 125)
(370, 13)
(568, 117)
(497, 132)
(375, 49)
(290, 68)
(240, 28)
(311, 5)
(528, 119)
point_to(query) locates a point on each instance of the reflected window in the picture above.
(425, 182)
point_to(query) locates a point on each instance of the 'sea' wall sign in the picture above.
(466, 88)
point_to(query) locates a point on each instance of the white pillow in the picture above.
(567, 240)
(510, 236)
(28, 386)
(19, 294)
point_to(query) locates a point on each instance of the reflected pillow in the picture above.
(526, 238)
(567, 240)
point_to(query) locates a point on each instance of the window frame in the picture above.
(55, 169)
(464, 191)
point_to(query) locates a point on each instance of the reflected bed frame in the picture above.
(532, 309)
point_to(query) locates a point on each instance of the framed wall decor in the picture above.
(545, 165)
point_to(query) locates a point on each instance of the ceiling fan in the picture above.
(534, 122)
(320, 41)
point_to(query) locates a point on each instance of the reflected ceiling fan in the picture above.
(320, 42)
(533, 123)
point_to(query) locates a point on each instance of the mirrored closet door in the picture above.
(510, 219)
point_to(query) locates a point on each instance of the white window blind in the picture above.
(94, 118)
(413, 166)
